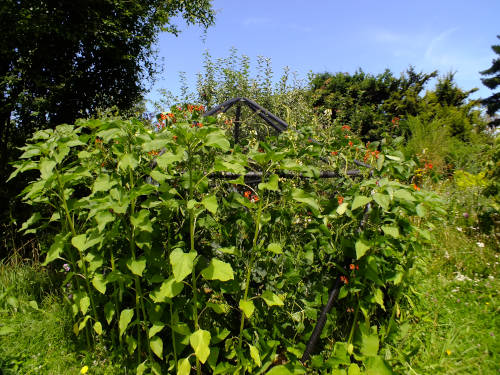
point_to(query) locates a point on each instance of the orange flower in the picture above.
(340, 199)
(352, 266)
(255, 198)
(416, 187)
(344, 279)
(247, 194)
(346, 127)
(174, 137)
(350, 143)
(334, 153)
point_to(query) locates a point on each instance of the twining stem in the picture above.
(173, 336)
(73, 232)
(351, 334)
(249, 269)
(192, 249)
(139, 299)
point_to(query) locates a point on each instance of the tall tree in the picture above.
(492, 102)
(61, 60)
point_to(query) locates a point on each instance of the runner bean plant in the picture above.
(169, 254)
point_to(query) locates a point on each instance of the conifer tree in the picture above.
(492, 102)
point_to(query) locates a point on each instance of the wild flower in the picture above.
(84, 370)
(66, 267)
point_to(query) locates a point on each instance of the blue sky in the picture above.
(341, 36)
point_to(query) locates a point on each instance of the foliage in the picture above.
(65, 60)
(366, 102)
(493, 102)
(233, 76)
(179, 268)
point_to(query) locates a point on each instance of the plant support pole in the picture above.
(320, 324)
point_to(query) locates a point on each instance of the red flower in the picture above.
(352, 266)
(340, 199)
(344, 279)
(350, 143)
(254, 198)
(334, 153)
(174, 137)
(346, 128)
(247, 194)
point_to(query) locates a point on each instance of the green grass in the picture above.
(452, 321)
(36, 335)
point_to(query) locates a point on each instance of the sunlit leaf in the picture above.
(200, 341)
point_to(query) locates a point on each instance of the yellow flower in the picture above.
(84, 370)
(448, 351)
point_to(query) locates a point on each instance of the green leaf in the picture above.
(102, 218)
(391, 231)
(218, 308)
(361, 248)
(140, 220)
(210, 204)
(303, 197)
(168, 158)
(156, 345)
(32, 220)
(183, 367)
(271, 299)
(353, 369)
(109, 311)
(218, 139)
(218, 270)
(377, 366)
(128, 161)
(137, 266)
(168, 289)
(342, 208)
(279, 370)
(99, 283)
(199, 341)
(46, 168)
(369, 344)
(84, 304)
(378, 297)
(403, 194)
(125, 319)
(182, 263)
(156, 327)
(275, 247)
(254, 353)
(421, 210)
(98, 328)
(141, 368)
(55, 249)
(247, 307)
(272, 184)
(103, 183)
(360, 201)
(383, 200)
(83, 323)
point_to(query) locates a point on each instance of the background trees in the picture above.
(63, 60)
(493, 102)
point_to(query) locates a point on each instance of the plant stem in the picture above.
(173, 336)
(249, 270)
(353, 324)
(192, 249)
(139, 299)
(73, 232)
